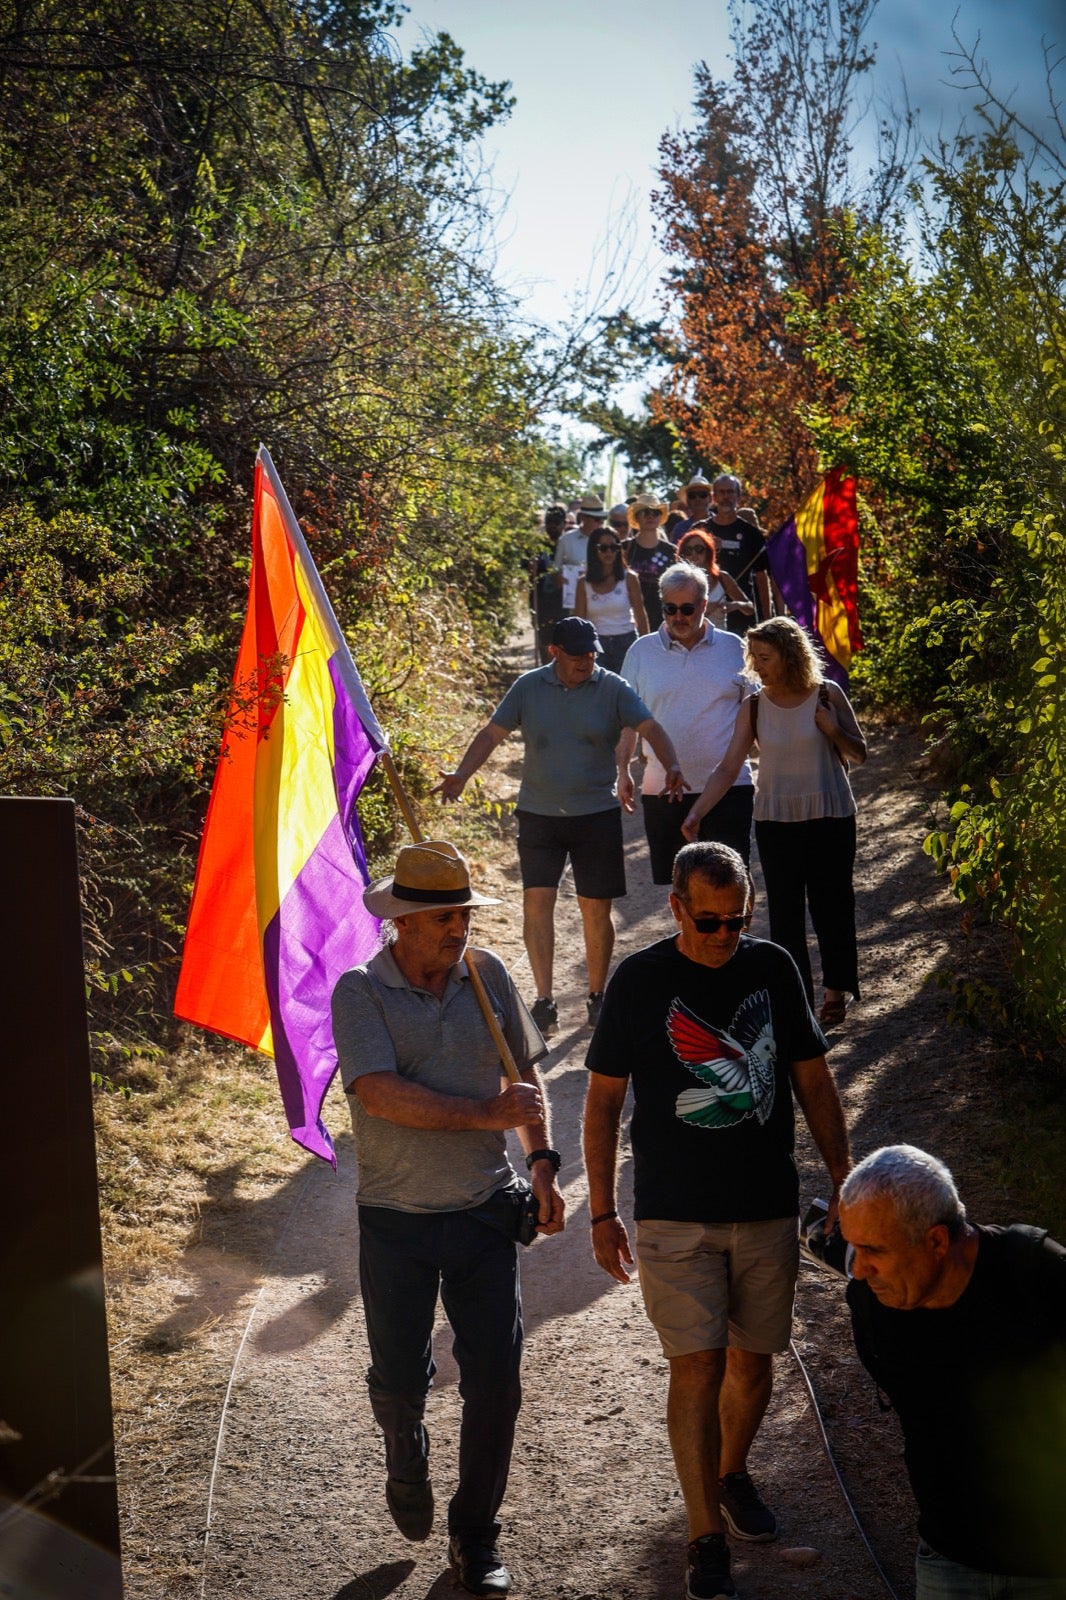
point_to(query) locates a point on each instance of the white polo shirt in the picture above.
(695, 694)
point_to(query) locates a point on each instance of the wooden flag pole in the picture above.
(476, 982)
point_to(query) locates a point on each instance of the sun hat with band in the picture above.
(431, 876)
(590, 505)
(701, 484)
(645, 502)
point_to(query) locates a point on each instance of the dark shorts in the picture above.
(593, 843)
(729, 822)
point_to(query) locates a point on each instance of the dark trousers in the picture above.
(810, 864)
(404, 1259)
(729, 822)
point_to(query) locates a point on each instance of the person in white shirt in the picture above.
(691, 677)
(571, 552)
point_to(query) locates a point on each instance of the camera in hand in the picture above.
(833, 1253)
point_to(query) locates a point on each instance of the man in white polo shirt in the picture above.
(690, 676)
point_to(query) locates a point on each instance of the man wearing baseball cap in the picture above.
(571, 713)
(438, 1199)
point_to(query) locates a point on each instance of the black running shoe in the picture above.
(545, 1014)
(747, 1516)
(709, 1577)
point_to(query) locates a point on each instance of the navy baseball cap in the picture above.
(577, 636)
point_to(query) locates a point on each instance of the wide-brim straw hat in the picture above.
(431, 876)
(698, 482)
(645, 502)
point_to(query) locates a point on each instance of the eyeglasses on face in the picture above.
(608, 544)
(649, 511)
(686, 608)
(698, 494)
(712, 924)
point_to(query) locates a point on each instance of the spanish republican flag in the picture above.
(277, 909)
(814, 559)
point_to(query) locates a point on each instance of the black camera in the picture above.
(833, 1253)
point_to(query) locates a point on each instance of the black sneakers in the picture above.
(481, 1571)
(411, 1506)
(708, 1569)
(747, 1516)
(545, 1014)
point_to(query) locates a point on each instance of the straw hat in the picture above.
(645, 502)
(698, 482)
(590, 505)
(432, 876)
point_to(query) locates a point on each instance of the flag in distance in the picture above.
(277, 910)
(814, 559)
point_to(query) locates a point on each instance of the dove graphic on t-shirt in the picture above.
(735, 1067)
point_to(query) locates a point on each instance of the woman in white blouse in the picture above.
(804, 808)
(609, 596)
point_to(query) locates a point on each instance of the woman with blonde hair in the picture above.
(648, 552)
(804, 808)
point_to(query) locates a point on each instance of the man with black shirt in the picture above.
(964, 1329)
(714, 1031)
(741, 552)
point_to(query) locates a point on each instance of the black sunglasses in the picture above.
(686, 608)
(712, 924)
(608, 544)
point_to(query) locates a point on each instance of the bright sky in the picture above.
(597, 83)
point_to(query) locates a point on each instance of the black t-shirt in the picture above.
(709, 1052)
(980, 1389)
(649, 564)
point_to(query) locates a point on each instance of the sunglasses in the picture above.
(687, 609)
(712, 924)
(697, 494)
(608, 544)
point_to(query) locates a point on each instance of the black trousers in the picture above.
(811, 864)
(729, 822)
(404, 1260)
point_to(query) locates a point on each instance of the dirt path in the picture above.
(264, 1304)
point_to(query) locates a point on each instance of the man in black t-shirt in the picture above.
(741, 551)
(964, 1329)
(713, 1030)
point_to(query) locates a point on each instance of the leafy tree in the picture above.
(956, 412)
(227, 221)
(747, 203)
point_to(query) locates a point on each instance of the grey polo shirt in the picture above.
(382, 1024)
(570, 737)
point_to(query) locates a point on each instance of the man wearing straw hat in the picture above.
(439, 1203)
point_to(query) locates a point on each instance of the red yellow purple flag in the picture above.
(277, 910)
(814, 560)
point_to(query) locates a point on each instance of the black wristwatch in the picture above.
(544, 1155)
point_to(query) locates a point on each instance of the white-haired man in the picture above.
(963, 1327)
(690, 675)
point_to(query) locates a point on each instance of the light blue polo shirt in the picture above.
(570, 737)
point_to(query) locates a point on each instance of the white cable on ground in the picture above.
(836, 1470)
(233, 1375)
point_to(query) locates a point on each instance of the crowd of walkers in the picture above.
(691, 621)
(666, 648)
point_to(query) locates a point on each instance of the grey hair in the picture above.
(716, 864)
(682, 572)
(727, 477)
(920, 1188)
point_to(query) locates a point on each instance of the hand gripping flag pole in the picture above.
(506, 1058)
(277, 910)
